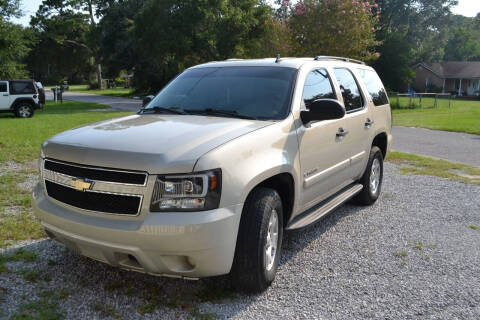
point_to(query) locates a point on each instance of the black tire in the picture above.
(369, 194)
(24, 110)
(250, 272)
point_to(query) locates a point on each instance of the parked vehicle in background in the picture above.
(41, 94)
(206, 177)
(20, 97)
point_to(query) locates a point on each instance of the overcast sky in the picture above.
(468, 8)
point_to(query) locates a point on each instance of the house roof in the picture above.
(455, 69)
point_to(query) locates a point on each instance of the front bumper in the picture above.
(178, 244)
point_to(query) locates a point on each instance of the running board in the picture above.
(323, 208)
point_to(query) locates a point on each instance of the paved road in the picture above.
(124, 104)
(457, 147)
(452, 146)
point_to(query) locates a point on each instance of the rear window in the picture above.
(3, 87)
(22, 87)
(374, 86)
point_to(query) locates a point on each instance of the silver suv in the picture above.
(204, 180)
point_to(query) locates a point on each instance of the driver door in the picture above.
(324, 158)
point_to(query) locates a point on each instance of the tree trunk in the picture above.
(90, 11)
(99, 76)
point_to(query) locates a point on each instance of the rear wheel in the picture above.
(371, 179)
(24, 110)
(259, 241)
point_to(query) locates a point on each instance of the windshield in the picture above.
(250, 92)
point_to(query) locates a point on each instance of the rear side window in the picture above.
(374, 86)
(350, 92)
(317, 86)
(3, 87)
(22, 87)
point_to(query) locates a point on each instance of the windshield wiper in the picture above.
(161, 110)
(220, 112)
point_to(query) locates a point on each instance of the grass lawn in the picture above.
(115, 92)
(463, 116)
(19, 147)
(414, 164)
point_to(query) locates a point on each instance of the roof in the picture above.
(455, 69)
(286, 62)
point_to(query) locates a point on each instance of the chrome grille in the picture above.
(94, 189)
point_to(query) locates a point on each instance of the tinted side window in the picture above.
(349, 88)
(317, 86)
(3, 87)
(22, 87)
(374, 86)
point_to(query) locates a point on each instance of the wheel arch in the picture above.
(284, 184)
(18, 101)
(381, 141)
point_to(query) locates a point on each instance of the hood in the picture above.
(152, 143)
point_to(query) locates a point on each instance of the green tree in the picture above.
(13, 48)
(13, 41)
(9, 8)
(394, 64)
(423, 23)
(463, 45)
(116, 40)
(335, 27)
(79, 13)
(172, 35)
(277, 39)
(52, 39)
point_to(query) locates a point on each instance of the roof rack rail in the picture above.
(318, 58)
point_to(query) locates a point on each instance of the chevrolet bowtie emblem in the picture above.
(81, 184)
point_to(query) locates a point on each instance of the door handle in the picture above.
(369, 123)
(5, 94)
(341, 132)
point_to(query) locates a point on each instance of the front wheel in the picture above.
(24, 110)
(371, 179)
(259, 241)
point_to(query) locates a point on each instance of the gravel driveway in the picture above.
(412, 255)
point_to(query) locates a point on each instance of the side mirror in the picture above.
(323, 109)
(147, 100)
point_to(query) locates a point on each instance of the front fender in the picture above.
(252, 158)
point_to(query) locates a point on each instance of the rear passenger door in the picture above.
(4, 96)
(324, 158)
(358, 121)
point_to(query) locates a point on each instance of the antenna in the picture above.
(278, 58)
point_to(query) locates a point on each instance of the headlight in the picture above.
(191, 192)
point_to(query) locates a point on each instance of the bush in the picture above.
(119, 82)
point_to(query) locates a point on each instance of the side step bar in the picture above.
(323, 208)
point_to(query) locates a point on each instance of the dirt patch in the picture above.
(29, 183)
(14, 210)
(12, 166)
